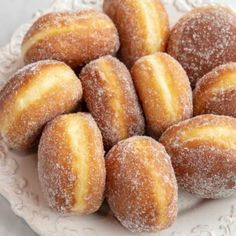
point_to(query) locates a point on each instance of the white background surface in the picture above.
(14, 13)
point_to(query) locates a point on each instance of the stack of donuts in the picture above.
(108, 99)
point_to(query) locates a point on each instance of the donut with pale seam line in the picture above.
(33, 96)
(143, 27)
(74, 37)
(141, 188)
(111, 98)
(164, 92)
(203, 154)
(215, 93)
(71, 164)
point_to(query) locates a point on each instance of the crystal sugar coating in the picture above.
(111, 98)
(141, 188)
(71, 164)
(215, 93)
(203, 154)
(143, 27)
(204, 39)
(164, 91)
(33, 96)
(74, 37)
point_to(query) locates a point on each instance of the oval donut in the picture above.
(72, 37)
(111, 98)
(203, 154)
(197, 54)
(143, 27)
(32, 97)
(141, 188)
(164, 92)
(71, 164)
(215, 93)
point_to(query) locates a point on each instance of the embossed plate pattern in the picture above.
(18, 171)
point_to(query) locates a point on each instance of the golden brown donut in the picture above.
(111, 98)
(143, 27)
(164, 91)
(71, 164)
(203, 154)
(141, 187)
(204, 39)
(215, 93)
(73, 37)
(32, 97)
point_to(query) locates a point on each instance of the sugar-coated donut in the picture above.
(164, 91)
(111, 98)
(204, 39)
(73, 37)
(32, 97)
(203, 154)
(141, 188)
(143, 27)
(215, 93)
(71, 164)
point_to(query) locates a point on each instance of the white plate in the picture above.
(18, 171)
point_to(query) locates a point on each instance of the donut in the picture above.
(71, 164)
(203, 154)
(215, 93)
(111, 98)
(143, 27)
(164, 92)
(141, 188)
(33, 96)
(197, 54)
(72, 37)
